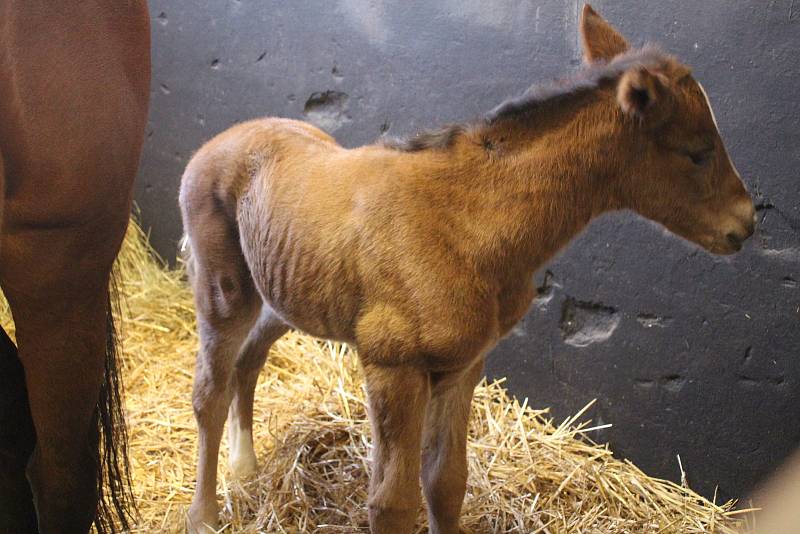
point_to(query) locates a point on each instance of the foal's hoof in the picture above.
(201, 521)
(242, 459)
(243, 467)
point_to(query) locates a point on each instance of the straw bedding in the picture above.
(527, 473)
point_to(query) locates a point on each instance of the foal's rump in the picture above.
(266, 188)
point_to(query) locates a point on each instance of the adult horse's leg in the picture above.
(56, 281)
(444, 449)
(398, 397)
(252, 356)
(72, 114)
(2, 188)
(17, 439)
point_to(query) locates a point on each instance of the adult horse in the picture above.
(74, 86)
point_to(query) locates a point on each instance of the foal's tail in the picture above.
(116, 508)
(186, 255)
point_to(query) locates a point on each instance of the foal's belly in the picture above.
(323, 318)
(311, 293)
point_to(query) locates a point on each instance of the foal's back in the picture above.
(315, 222)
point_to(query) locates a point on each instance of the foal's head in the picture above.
(675, 169)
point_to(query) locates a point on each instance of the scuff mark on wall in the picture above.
(585, 323)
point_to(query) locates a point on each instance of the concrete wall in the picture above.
(686, 353)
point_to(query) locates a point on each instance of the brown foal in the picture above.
(421, 253)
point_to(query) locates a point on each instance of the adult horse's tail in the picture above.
(115, 505)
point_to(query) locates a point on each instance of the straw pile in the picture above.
(527, 474)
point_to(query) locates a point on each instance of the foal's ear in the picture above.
(640, 91)
(601, 42)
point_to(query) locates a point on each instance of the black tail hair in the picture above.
(116, 509)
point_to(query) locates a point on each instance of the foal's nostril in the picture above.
(734, 239)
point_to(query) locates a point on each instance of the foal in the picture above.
(421, 253)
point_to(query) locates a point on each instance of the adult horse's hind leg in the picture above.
(444, 448)
(62, 340)
(17, 436)
(17, 439)
(227, 307)
(252, 356)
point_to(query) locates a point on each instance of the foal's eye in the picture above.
(700, 158)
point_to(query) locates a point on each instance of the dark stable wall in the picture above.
(686, 353)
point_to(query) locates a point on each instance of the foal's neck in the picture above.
(541, 181)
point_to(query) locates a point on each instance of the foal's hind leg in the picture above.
(249, 362)
(227, 306)
(211, 397)
(444, 449)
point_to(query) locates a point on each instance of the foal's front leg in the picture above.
(398, 397)
(444, 447)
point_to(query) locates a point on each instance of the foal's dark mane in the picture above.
(586, 79)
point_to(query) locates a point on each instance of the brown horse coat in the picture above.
(74, 86)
